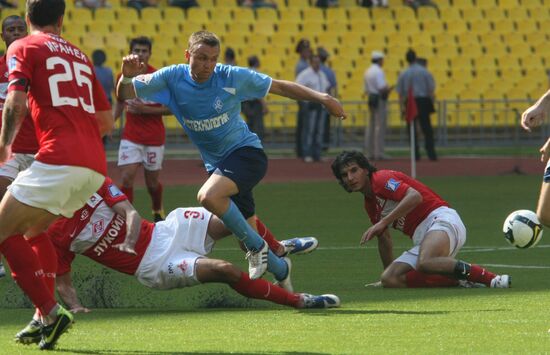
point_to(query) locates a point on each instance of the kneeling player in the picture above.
(166, 255)
(393, 199)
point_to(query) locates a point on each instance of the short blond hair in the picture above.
(203, 37)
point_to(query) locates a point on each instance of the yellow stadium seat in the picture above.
(531, 61)
(357, 38)
(427, 13)
(169, 28)
(439, 63)
(538, 14)
(103, 28)
(480, 27)
(509, 4)
(151, 14)
(289, 28)
(402, 13)
(73, 37)
(215, 27)
(397, 38)
(486, 4)
(117, 41)
(336, 27)
(456, 27)
(173, 13)
(267, 15)
(235, 40)
(433, 27)
(448, 50)
(239, 27)
(328, 39)
(360, 25)
(463, 4)
(410, 26)
(494, 14)
(285, 38)
(79, 28)
(336, 14)
(526, 26)
(264, 28)
(290, 14)
(505, 27)
(313, 14)
(198, 14)
(488, 39)
(162, 41)
(104, 15)
(299, 4)
(472, 50)
(467, 39)
(146, 29)
(485, 62)
(76, 15)
(385, 26)
(421, 39)
(359, 14)
(450, 13)
(93, 40)
(445, 37)
(496, 49)
(380, 13)
(280, 3)
(310, 29)
(531, 4)
(506, 62)
(472, 14)
(209, 4)
(125, 28)
(127, 14)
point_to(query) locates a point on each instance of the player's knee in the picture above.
(227, 272)
(422, 265)
(206, 199)
(544, 217)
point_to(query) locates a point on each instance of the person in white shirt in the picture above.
(312, 135)
(377, 90)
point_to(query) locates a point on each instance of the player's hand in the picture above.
(126, 248)
(80, 309)
(545, 151)
(334, 107)
(131, 66)
(374, 284)
(373, 231)
(533, 117)
(5, 153)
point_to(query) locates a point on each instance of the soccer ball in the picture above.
(522, 229)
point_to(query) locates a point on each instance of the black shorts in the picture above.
(246, 167)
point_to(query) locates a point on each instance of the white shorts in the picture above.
(150, 156)
(58, 189)
(442, 219)
(176, 244)
(15, 165)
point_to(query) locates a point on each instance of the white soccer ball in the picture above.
(522, 229)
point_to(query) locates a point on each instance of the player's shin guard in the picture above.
(266, 235)
(156, 197)
(129, 192)
(264, 290)
(27, 272)
(234, 220)
(419, 279)
(47, 256)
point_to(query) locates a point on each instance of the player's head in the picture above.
(410, 56)
(352, 170)
(13, 27)
(202, 54)
(315, 62)
(99, 57)
(43, 13)
(142, 47)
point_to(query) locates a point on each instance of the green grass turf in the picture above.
(214, 319)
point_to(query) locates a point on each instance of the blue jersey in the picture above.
(210, 111)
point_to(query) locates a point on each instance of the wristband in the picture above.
(125, 80)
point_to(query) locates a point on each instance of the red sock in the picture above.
(264, 290)
(129, 192)
(266, 234)
(156, 197)
(27, 272)
(45, 251)
(419, 279)
(481, 275)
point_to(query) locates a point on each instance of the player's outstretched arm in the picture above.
(131, 67)
(535, 115)
(299, 92)
(133, 226)
(385, 248)
(15, 108)
(68, 294)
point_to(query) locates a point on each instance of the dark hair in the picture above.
(346, 158)
(12, 18)
(142, 40)
(253, 61)
(229, 54)
(45, 12)
(203, 37)
(410, 56)
(99, 57)
(302, 44)
(323, 54)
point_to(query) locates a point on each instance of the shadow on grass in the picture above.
(142, 352)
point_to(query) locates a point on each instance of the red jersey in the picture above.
(25, 142)
(389, 188)
(144, 129)
(63, 95)
(94, 229)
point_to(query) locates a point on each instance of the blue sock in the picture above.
(276, 266)
(234, 220)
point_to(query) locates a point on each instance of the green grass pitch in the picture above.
(130, 319)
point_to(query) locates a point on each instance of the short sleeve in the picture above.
(111, 193)
(19, 67)
(250, 84)
(154, 87)
(101, 103)
(390, 186)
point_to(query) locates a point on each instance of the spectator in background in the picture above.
(326, 3)
(332, 90)
(256, 4)
(371, 3)
(303, 48)
(421, 82)
(92, 4)
(184, 4)
(423, 62)
(377, 90)
(104, 74)
(5, 4)
(415, 4)
(229, 57)
(314, 125)
(140, 4)
(254, 110)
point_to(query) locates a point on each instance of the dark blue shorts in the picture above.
(246, 167)
(546, 176)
